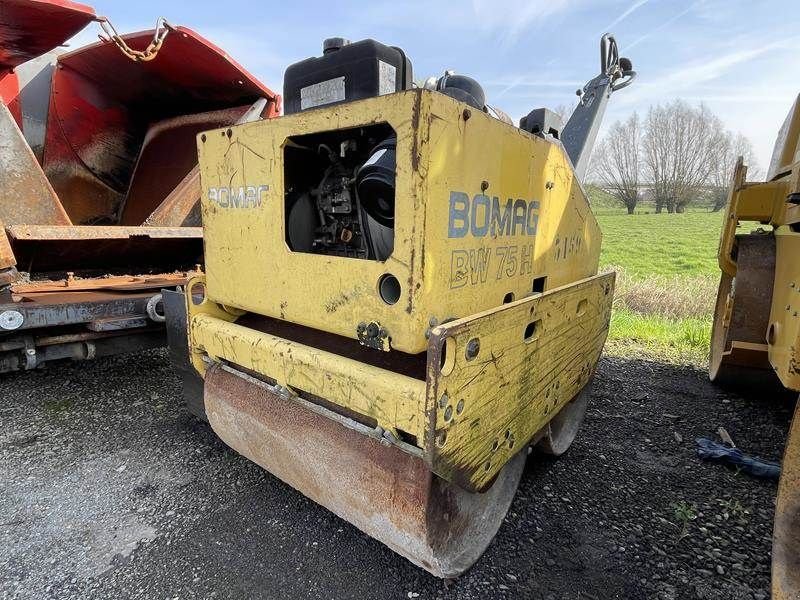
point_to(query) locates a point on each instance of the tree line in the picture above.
(676, 154)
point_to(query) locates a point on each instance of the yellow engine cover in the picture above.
(484, 213)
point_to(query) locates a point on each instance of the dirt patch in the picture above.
(120, 493)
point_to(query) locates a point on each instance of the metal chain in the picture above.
(146, 55)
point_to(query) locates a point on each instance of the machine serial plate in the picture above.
(387, 80)
(322, 93)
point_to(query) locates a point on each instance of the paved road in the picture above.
(110, 489)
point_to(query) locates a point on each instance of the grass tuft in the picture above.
(678, 341)
(674, 296)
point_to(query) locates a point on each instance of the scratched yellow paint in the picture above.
(484, 409)
(784, 334)
(451, 271)
(763, 202)
(787, 147)
(394, 401)
(473, 414)
(441, 149)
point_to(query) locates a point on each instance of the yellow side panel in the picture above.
(505, 373)
(445, 270)
(394, 401)
(784, 331)
(787, 146)
(786, 541)
(763, 202)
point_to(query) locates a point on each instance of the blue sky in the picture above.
(740, 57)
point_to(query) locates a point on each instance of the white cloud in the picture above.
(664, 25)
(687, 77)
(529, 82)
(511, 18)
(625, 14)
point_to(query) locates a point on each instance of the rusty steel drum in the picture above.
(386, 492)
(739, 352)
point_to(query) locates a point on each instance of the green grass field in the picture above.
(667, 276)
(665, 244)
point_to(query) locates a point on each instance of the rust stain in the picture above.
(121, 283)
(88, 232)
(387, 493)
(410, 281)
(178, 207)
(415, 118)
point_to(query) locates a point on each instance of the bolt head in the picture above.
(473, 347)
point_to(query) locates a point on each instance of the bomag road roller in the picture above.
(756, 334)
(401, 294)
(99, 187)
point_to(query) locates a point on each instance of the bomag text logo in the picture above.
(245, 196)
(483, 216)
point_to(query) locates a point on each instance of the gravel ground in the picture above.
(111, 490)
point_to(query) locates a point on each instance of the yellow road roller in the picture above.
(756, 333)
(400, 294)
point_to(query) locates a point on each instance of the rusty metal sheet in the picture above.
(7, 259)
(107, 249)
(384, 490)
(498, 378)
(182, 206)
(27, 197)
(118, 284)
(739, 351)
(87, 232)
(105, 109)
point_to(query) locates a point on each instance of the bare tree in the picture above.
(617, 161)
(564, 111)
(727, 152)
(678, 152)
